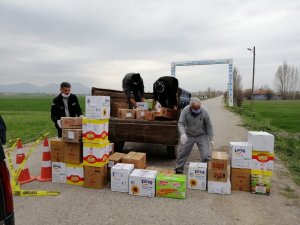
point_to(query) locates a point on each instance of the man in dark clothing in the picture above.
(64, 105)
(165, 92)
(2, 137)
(133, 83)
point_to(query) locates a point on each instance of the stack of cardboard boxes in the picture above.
(66, 153)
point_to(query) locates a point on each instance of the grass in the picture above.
(281, 118)
(28, 116)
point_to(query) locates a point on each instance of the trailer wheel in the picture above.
(119, 145)
(172, 152)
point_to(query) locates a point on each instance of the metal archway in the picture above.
(210, 62)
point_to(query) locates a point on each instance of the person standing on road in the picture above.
(133, 83)
(165, 92)
(194, 127)
(64, 105)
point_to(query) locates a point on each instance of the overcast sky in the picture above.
(97, 42)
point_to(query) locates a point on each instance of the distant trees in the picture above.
(237, 88)
(286, 81)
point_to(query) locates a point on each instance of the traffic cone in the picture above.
(46, 170)
(24, 176)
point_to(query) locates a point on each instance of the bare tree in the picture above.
(237, 87)
(286, 80)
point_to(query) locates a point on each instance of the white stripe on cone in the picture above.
(46, 149)
(46, 164)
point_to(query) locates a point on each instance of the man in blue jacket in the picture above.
(64, 105)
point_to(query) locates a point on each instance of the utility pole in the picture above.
(252, 96)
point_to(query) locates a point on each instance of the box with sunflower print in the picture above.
(197, 176)
(142, 182)
(171, 185)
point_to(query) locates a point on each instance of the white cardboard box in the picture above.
(262, 161)
(197, 175)
(261, 141)
(97, 107)
(240, 155)
(142, 105)
(59, 172)
(142, 182)
(120, 176)
(223, 188)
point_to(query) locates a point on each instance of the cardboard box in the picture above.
(111, 148)
(57, 147)
(223, 188)
(161, 169)
(119, 176)
(197, 175)
(150, 115)
(262, 161)
(240, 155)
(166, 113)
(115, 106)
(261, 182)
(113, 160)
(97, 107)
(73, 153)
(136, 158)
(59, 172)
(75, 174)
(95, 177)
(72, 135)
(171, 185)
(142, 105)
(139, 114)
(142, 182)
(94, 130)
(240, 179)
(261, 141)
(126, 114)
(71, 122)
(218, 175)
(219, 160)
(150, 103)
(95, 154)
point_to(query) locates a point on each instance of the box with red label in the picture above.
(95, 177)
(71, 122)
(262, 161)
(75, 174)
(73, 153)
(218, 175)
(166, 113)
(72, 135)
(95, 154)
(219, 160)
(240, 179)
(57, 147)
(97, 107)
(94, 130)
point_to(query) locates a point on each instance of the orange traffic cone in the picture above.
(24, 176)
(46, 170)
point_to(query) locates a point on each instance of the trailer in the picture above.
(163, 132)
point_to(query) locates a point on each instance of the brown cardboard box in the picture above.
(240, 179)
(126, 114)
(73, 153)
(57, 147)
(136, 158)
(111, 148)
(115, 106)
(72, 135)
(95, 177)
(161, 169)
(167, 113)
(218, 175)
(113, 160)
(150, 115)
(71, 122)
(219, 160)
(140, 114)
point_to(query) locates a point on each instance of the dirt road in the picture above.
(78, 205)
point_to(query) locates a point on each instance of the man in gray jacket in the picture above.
(194, 127)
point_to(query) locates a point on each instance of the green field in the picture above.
(281, 118)
(28, 116)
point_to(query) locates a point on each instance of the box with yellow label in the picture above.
(95, 154)
(75, 174)
(262, 161)
(261, 182)
(97, 107)
(94, 130)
